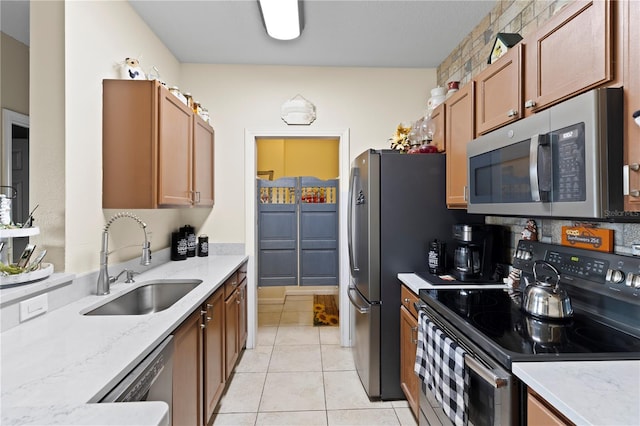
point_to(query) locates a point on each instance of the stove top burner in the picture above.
(499, 318)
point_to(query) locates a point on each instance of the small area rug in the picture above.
(325, 309)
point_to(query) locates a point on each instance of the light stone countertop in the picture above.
(53, 365)
(587, 392)
(416, 283)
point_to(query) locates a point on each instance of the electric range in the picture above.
(492, 327)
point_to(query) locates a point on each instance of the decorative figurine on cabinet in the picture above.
(131, 70)
(503, 42)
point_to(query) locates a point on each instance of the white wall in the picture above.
(93, 37)
(370, 102)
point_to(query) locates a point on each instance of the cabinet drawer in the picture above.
(408, 298)
(231, 284)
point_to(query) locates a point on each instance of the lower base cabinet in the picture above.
(214, 378)
(186, 406)
(207, 346)
(540, 413)
(409, 380)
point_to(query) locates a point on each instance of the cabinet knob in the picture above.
(209, 306)
(530, 103)
(634, 166)
(407, 300)
(203, 312)
(634, 193)
(208, 319)
(512, 113)
(203, 326)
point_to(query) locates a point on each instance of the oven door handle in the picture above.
(486, 374)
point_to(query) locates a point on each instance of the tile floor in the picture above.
(299, 374)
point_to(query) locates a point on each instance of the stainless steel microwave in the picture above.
(565, 161)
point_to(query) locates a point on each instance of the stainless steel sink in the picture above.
(153, 296)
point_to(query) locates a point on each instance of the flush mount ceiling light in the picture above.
(281, 18)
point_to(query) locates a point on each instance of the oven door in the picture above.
(493, 391)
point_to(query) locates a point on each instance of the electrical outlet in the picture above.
(33, 307)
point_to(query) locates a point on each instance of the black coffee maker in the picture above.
(480, 252)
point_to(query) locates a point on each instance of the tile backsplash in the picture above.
(550, 230)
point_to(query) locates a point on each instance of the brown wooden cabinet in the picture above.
(207, 347)
(568, 55)
(187, 373)
(498, 97)
(541, 413)
(155, 151)
(214, 378)
(459, 131)
(242, 315)
(409, 381)
(203, 157)
(438, 117)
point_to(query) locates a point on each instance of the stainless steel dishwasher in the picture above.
(151, 380)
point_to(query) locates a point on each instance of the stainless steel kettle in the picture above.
(544, 298)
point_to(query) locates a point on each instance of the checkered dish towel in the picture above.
(440, 366)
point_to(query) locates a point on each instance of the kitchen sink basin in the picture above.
(153, 296)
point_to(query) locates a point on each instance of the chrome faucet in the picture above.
(104, 280)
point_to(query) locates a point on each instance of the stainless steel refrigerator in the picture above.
(397, 205)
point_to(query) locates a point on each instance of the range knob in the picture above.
(615, 276)
(523, 254)
(632, 281)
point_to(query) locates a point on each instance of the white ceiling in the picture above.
(358, 33)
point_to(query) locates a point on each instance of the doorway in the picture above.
(15, 171)
(297, 224)
(251, 171)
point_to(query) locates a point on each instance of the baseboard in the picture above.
(303, 291)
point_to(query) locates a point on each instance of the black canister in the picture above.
(190, 233)
(437, 257)
(178, 246)
(203, 246)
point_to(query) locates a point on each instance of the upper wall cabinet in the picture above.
(459, 131)
(568, 55)
(155, 151)
(498, 98)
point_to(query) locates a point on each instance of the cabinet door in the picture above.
(539, 414)
(632, 100)
(214, 378)
(187, 373)
(498, 99)
(242, 316)
(129, 132)
(438, 118)
(569, 55)
(409, 381)
(203, 143)
(174, 151)
(459, 131)
(231, 319)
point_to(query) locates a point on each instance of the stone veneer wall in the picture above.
(508, 16)
(470, 57)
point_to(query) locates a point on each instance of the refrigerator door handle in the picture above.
(350, 213)
(361, 309)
